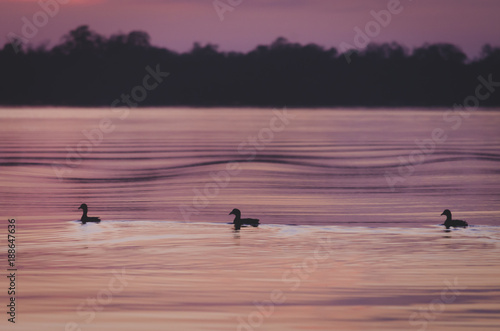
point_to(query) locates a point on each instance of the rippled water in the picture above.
(322, 167)
(204, 276)
(339, 249)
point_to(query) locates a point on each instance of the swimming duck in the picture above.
(85, 218)
(451, 222)
(238, 221)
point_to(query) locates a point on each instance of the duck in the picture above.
(451, 222)
(85, 218)
(238, 221)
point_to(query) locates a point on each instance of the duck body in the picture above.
(85, 218)
(450, 222)
(239, 222)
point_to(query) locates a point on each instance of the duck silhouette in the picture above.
(451, 222)
(85, 218)
(238, 221)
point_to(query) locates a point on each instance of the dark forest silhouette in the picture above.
(88, 69)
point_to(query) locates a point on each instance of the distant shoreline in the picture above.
(88, 69)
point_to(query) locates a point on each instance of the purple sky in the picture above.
(176, 24)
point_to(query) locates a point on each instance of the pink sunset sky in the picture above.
(176, 24)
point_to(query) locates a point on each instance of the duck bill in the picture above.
(442, 214)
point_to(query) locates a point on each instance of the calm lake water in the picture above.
(350, 202)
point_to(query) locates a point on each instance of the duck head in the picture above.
(235, 212)
(83, 206)
(447, 212)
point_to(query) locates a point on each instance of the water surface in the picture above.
(339, 248)
(324, 167)
(205, 276)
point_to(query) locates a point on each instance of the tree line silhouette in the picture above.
(88, 69)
